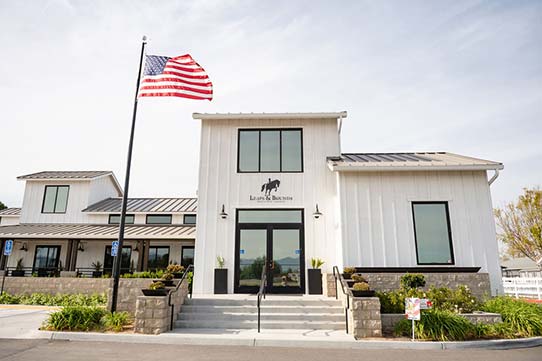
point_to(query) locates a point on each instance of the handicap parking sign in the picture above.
(114, 248)
(8, 247)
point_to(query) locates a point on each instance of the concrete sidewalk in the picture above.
(22, 322)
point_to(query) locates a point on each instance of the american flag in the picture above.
(179, 76)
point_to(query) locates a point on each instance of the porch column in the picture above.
(140, 255)
(146, 255)
(67, 260)
(2, 257)
(75, 253)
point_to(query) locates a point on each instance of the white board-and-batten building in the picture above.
(274, 191)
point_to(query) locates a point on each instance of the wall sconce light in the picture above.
(223, 213)
(81, 248)
(24, 247)
(136, 248)
(317, 214)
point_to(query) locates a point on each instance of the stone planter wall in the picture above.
(153, 314)
(389, 320)
(129, 288)
(477, 282)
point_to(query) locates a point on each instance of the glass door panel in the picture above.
(252, 256)
(285, 271)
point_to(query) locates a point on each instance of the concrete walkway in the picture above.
(22, 322)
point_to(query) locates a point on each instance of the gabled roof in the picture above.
(84, 175)
(96, 231)
(409, 161)
(146, 205)
(66, 175)
(217, 116)
(10, 212)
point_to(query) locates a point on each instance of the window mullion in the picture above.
(280, 151)
(56, 197)
(259, 151)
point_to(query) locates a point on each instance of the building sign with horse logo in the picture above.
(269, 190)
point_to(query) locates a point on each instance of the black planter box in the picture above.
(221, 281)
(97, 274)
(158, 292)
(177, 275)
(315, 281)
(17, 273)
(350, 283)
(347, 276)
(167, 283)
(369, 293)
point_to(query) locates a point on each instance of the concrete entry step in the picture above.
(277, 313)
(245, 324)
(190, 308)
(253, 316)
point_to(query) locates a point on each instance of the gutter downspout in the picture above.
(340, 128)
(494, 178)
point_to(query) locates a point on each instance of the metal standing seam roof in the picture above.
(10, 212)
(409, 161)
(66, 174)
(146, 205)
(96, 231)
(322, 115)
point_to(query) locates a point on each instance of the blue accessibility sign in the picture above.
(114, 248)
(8, 247)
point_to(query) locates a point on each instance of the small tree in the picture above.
(521, 225)
(2, 206)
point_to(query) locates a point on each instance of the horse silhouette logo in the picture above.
(270, 185)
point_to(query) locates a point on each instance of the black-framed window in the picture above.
(115, 219)
(189, 219)
(187, 256)
(270, 150)
(158, 219)
(158, 257)
(55, 199)
(125, 260)
(432, 233)
(46, 257)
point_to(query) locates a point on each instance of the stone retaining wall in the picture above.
(477, 282)
(389, 320)
(129, 288)
(364, 317)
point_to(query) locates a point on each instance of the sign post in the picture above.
(412, 311)
(8, 248)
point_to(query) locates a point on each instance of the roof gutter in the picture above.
(327, 115)
(494, 178)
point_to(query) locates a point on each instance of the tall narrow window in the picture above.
(55, 199)
(125, 260)
(270, 150)
(432, 233)
(187, 256)
(158, 257)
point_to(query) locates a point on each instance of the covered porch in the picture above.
(85, 250)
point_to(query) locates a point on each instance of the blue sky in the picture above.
(458, 76)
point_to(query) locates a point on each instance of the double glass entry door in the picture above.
(278, 247)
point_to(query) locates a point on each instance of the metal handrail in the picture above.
(261, 292)
(339, 277)
(188, 269)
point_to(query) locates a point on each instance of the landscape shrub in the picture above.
(522, 318)
(75, 318)
(145, 274)
(45, 299)
(412, 280)
(459, 300)
(438, 325)
(115, 321)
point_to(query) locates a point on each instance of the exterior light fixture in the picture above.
(81, 248)
(317, 214)
(223, 213)
(24, 247)
(136, 249)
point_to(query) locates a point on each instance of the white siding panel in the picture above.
(219, 183)
(377, 226)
